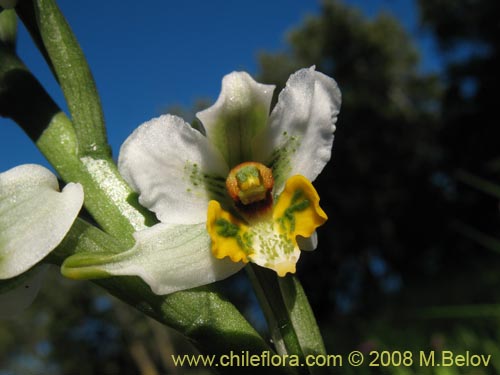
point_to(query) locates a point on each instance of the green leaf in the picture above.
(8, 28)
(301, 316)
(75, 78)
(108, 198)
(283, 311)
(289, 316)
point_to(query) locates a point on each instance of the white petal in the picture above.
(308, 243)
(300, 134)
(174, 168)
(34, 216)
(168, 258)
(17, 299)
(272, 248)
(239, 114)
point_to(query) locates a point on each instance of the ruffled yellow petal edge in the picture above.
(228, 234)
(297, 209)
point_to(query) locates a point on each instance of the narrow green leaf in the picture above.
(26, 13)
(108, 198)
(301, 316)
(289, 316)
(277, 315)
(75, 78)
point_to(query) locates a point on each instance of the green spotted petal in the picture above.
(299, 137)
(238, 116)
(270, 241)
(168, 258)
(174, 168)
(34, 216)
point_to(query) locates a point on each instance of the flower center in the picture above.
(249, 185)
(267, 238)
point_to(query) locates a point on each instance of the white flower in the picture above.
(34, 216)
(241, 193)
(34, 219)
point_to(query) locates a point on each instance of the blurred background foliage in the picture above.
(409, 259)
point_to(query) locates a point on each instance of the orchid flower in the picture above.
(238, 191)
(34, 219)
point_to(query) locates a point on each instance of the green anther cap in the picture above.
(249, 182)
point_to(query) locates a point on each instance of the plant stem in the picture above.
(108, 198)
(75, 78)
(8, 28)
(289, 316)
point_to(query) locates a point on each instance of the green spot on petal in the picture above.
(299, 202)
(281, 157)
(214, 184)
(226, 229)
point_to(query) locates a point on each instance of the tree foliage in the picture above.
(401, 217)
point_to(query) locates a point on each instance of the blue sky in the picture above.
(146, 56)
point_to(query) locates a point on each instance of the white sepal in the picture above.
(168, 258)
(308, 243)
(237, 117)
(34, 216)
(300, 133)
(175, 170)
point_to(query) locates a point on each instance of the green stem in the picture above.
(301, 316)
(8, 28)
(75, 78)
(78, 151)
(289, 316)
(108, 198)
(26, 13)
(268, 293)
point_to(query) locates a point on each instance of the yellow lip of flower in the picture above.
(229, 234)
(269, 241)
